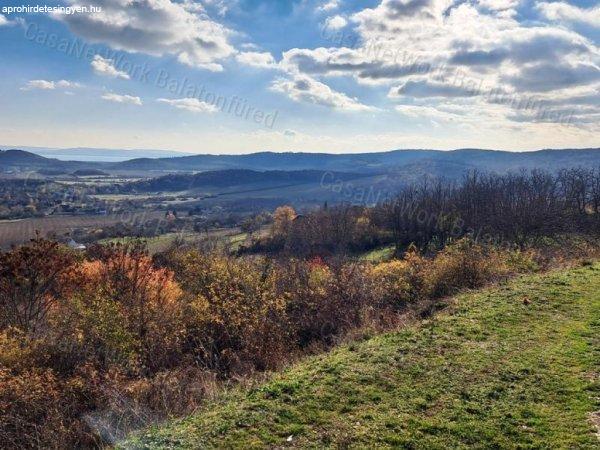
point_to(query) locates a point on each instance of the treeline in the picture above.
(512, 209)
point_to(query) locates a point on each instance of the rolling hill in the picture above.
(234, 177)
(410, 163)
(22, 160)
(375, 162)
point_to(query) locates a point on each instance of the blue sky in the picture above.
(239, 76)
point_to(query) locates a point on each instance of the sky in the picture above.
(339, 76)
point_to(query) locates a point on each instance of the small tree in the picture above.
(282, 220)
(32, 280)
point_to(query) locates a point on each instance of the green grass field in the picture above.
(229, 238)
(379, 254)
(514, 366)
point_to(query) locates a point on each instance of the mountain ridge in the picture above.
(427, 162)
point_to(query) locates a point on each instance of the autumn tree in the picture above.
(32, 280)
(144, 298)
(282, 220)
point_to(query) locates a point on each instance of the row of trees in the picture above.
(515, 209)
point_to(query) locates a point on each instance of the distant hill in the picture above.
(409, 164)
(232, 178)
(99, 154)
(432, 162)
(22, 160)
(20, 157)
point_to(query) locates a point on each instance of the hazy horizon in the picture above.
(104, 154)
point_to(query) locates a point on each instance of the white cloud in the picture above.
(302, 88)
(549, 76)
(565, 12)
(222, 6)
(67, 84)
(39, 84)
(499, 5)
(460, 51)
(400, 16)
(256, 59)
(155, 27)
(335, 23)
(329, 5)
(425, 112)
(106, 67)
(49, 85)
(3, 20)
(249, 46)
(117, 98)
(189, 104)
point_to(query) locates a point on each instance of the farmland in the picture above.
(228, 238)
(19, 231)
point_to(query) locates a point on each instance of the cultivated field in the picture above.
(19, 231)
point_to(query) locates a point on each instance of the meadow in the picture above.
(20, 231)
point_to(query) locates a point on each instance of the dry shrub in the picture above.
(120, 314)
(399, 283)
(236, 321)
(174, 392)
(566, 250)
(127, 312)
(41, 411)
(324, 300)
(33, 281)
(463, 264)
(467, 264)
(125, 404)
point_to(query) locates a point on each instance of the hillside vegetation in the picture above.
(99, 343)
(515, 366)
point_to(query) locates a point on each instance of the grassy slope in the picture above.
(490, 372)
(231, 238)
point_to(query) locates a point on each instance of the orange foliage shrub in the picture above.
(128, 310)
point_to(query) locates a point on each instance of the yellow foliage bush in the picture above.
(466, 264)
(237, 320)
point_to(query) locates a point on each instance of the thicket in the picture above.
(520, 209)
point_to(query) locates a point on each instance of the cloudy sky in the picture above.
(238, 76)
